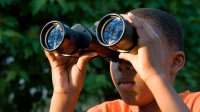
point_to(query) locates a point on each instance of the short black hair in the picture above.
(168, 25)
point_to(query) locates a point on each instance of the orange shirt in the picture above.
(192, 100)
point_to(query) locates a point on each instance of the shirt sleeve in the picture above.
(192, 100)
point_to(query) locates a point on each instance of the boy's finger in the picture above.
(82, 61)
(138, 23)
(142, 26)
(50, 56)
(127, 56)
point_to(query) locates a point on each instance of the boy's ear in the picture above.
(178, 61)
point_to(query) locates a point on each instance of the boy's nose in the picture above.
(124, 65)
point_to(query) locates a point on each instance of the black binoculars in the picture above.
(108, 37)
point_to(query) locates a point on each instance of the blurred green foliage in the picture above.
(25, 78)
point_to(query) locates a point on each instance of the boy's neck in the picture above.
(152, 107)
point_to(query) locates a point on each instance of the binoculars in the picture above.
(108, 37)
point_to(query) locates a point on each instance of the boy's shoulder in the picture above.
(192, 100)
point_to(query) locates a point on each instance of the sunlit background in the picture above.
(25, 78)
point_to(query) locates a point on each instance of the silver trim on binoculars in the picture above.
(116, 33)
(52, 35)
(110, 29)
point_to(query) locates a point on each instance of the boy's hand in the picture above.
(68, 75)
(68, 72)
(147, 58)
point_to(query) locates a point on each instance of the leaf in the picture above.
(97, 63)
(24, 75)
(37, 5)
(3, 85)
(11, 21)
(53, 9)
(66, 6)
(11, 34)
(103, 82)
(85, 7)
(5, 2)
(11, 75)
(27, 52)
(130, 3)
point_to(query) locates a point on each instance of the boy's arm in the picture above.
(68, 75)
(165, 95)
(61, 102)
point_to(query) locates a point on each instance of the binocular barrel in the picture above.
(111, 35)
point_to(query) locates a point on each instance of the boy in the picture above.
(144, 76)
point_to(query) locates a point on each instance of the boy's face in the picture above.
(131, 87)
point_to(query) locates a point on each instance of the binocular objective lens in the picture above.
(113, 31)
(55, 37)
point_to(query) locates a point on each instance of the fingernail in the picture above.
(94, 54)
(131, 15)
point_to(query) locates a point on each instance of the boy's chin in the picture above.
(129, 99)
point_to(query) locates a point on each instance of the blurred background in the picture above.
(25, 78)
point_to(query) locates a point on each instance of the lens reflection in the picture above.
(55, 36)
(113, 31)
